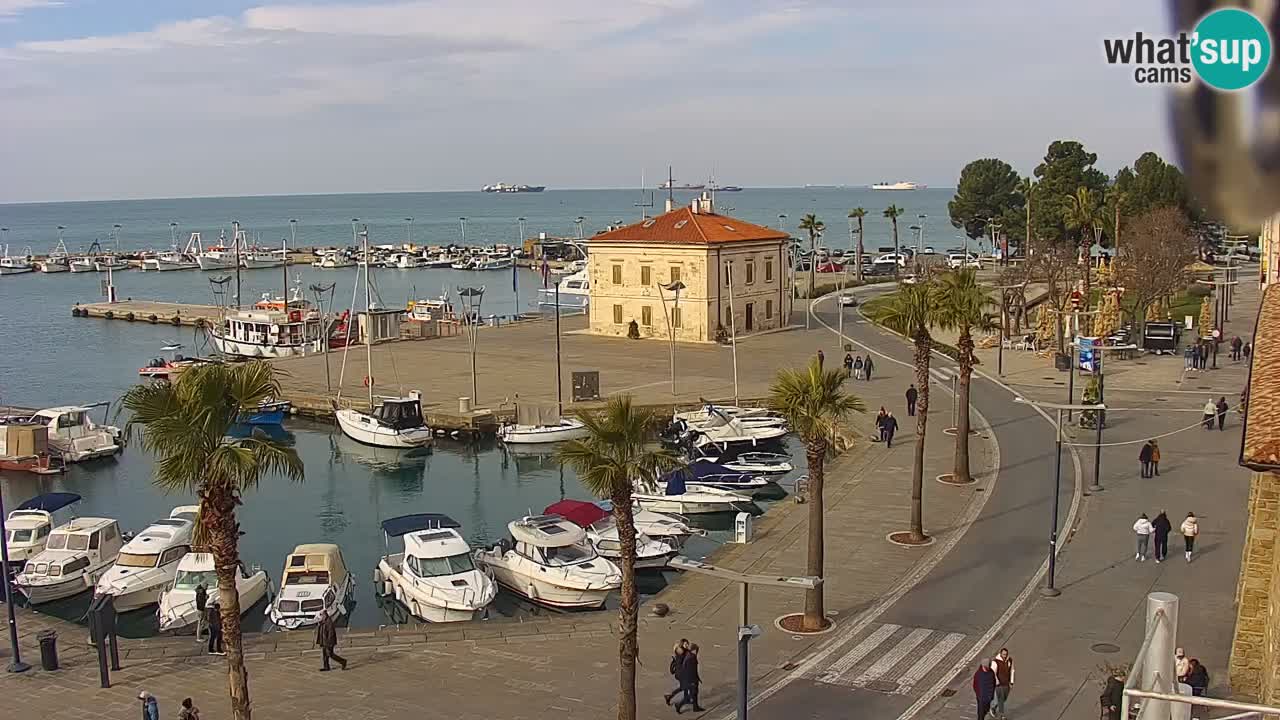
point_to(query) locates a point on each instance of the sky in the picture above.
(107, 99)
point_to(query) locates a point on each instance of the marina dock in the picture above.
(149, 311)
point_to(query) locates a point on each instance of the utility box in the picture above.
(742, 523)
(380, 325)
(586, 385)
(24, 440)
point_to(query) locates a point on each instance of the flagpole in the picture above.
(515, 289)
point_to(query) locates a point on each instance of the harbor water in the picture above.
(51, 358)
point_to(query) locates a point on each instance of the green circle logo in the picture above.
(1232, 49)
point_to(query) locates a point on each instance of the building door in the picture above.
(751, 316)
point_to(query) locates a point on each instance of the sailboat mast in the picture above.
(368, 316)
(284, 271)
(235, 240)
(559, 380)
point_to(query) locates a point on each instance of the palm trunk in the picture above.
(960, 473)
(859, 253)
(923, 345)
(896, 252)
(218, 511)
(813, 262)
(815, 616)
(629, 607)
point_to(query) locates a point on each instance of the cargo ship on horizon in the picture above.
(505, 188)
(900, 185)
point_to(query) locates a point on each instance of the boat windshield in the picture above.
(57, 541)
(137, 560)
(400, 415)
(20, 535)
(189, 579)
(77, 542)
(438, 567)
(316, 577)
(568, 555)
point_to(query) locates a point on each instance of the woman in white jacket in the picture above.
(1142, 528)
(1190, 529)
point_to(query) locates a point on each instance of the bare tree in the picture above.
(1055, 264)
(1158, 249)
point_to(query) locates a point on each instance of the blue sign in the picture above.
(1090, 357)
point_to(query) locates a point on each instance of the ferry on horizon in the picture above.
(900, 185)
(505, 188)
(669, 185)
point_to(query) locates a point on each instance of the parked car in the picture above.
(962, 260)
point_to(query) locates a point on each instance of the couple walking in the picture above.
(1145, 529)
(1149, 457)
(887, 425)
(991, 686)
(1214, 410)
(684, 668)
(858, 368)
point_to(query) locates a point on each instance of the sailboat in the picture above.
(392, 422)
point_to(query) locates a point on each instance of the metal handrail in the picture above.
(1135, 672)
(1204, 700)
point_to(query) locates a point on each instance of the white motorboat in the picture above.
(430, 310)
(148, 563)
(28, 526)
(15, 264)
(255, 258)
(104, 263)
(404, 261)
(76, 436)
(74, 557)
(494, 262)
(170, 260)
(333, 260)
(58, 261)
(464, 262)
(435, 577)
(760, 463)
(675, 497)
(177, 612)
(723, 431)
(602, 534)
(271, 329)
(81, 264)
(391, 423)
(439, 261)
(314, 583)
(671, 527)
(548, 562)
(710, 415)
(703, 475)
(574, 292)
(220, 256)
(572, 268)
(566, 429)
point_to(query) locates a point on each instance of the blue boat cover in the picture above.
(50, 502)
(405, 524)
(706, 472)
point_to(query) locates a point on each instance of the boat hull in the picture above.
(363, 429)
(80, 267)
(48, 592)
(534, 435)
(673, 504)
(49, 266)
(138, 599)
(154, 265)
(15, 270)
(207, 262)
(544, 593)
(239, 348)
(422, 605)
(178, 615)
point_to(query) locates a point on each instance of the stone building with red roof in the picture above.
(730, 274)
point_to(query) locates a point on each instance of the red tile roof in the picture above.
(682, 226)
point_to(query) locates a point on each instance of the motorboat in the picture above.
(268, 412)
(403, 261)
(74, 557)
(177, 612)
(760, 463)
(494, 262)
(24, 447)
(391, 423)
(76, 436)
(723, 431)
(439, 261)
(574, 292)
(429, 310)
(271, 329)
(57, 261)
(175, 259)
(165, 368)
(671, 527)
(28, 526)
(572, 268)
(602, 534)
(541, 424)
(314, 584)
(254, 258)
(703, 475)
(548, 562)
(15, 264)
(465, 262)
(81, 264)
(711, 413)
(148, 563)
(333, 260)
(220, 256)
(675, 497)
(435, 576)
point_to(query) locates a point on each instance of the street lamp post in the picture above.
(674, 288)
(746, 631)
(408, 233)
(15, 665)
(1215, 335)
(920, 241)
(578, 224)
(472, 297)
(462, 223)
(1050, 589)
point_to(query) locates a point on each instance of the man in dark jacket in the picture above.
(1221, 406)
(1113, 696)
(890, 425)
(1144, 458)
(1160, 528)
(984, 688)
(202, 601)
(327, 639)
(912, 395)
(213, 618)
(867, 367)
(689, 680)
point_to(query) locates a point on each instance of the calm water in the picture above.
(49, 358)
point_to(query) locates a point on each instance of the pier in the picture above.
(149, 311)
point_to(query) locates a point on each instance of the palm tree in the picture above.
(960, 304)
(1083, 214)
(858, 213)
(185, 424)
(815, 227)
(815, 404)
(911, 312)
(609, 461)
(893, 212)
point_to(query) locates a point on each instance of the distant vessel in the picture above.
(505, 188)
(900, 185)
(671, 185)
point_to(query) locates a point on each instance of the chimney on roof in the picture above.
(670, 205)
(704, 205)
(693, 205)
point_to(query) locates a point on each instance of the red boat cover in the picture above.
(578, 512)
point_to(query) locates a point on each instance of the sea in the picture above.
(49, 358)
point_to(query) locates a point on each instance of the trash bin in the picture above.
(48, 640)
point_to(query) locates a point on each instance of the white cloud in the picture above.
(201, 32)
(10, 9)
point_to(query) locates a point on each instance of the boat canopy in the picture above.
(315, 564)
(546, 531)
(578, 512)
(707, 472)
(675, 485)
(50, 502)
(405, 524)
(536, 415)
(400, 414)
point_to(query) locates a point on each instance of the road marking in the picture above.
(916, 672)
(882, 667)
(861, 650)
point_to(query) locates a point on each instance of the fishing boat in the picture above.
(74, 557)
(442, 260)
(273, 328)
(430, 310)
(464, 262)
(28, 526)
(174, 259)
(177, 612)
(148, 563)
(220, 256)
(74, 434)
(15, 264)
(602, 534)
(548, 562)
(404, 261)
(314, 584)
(435, 576)
(494, 262)
(57, 261)
(254, 258)
(333, 260)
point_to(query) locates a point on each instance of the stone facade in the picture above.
(1255, 652)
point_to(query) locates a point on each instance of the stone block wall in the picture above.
(1255, 651)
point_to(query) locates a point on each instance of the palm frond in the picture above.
(813, 400)
(960, 301)
(908, 311)
(616, 453)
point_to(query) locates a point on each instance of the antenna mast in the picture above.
(643, 205)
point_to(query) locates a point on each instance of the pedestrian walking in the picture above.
(880, 417)
(868, 366)
(327, 639)
(912, 396)
(984, 688)
(1003, 666)
(1160, 529)
(848, 364)
(1248, 350)
(1144, 459)
(1236, 346)
(689, 680)
(189, 711)
(213, 618)
(1190, 529)
(150, 708)
(1155, 458)
(1221, 408)
(677, 659)
(1210, 412)
(1197, 677)
(1182, 664)
(821, 359)
(890, 427)
(1113, 695)
(202, 602)
(1204, 355)
(1188, 357)
(1142, 528)
(857, 368)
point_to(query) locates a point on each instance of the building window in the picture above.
(675, 273)
(768, 270)
(617, 313)
(768, 309)
(646, 316)
(751, 272)
(646, 275)
(675, 317)
(617, 274)
(728, 272)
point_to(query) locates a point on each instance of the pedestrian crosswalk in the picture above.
(891, 659)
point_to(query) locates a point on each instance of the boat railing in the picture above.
(468, 593)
